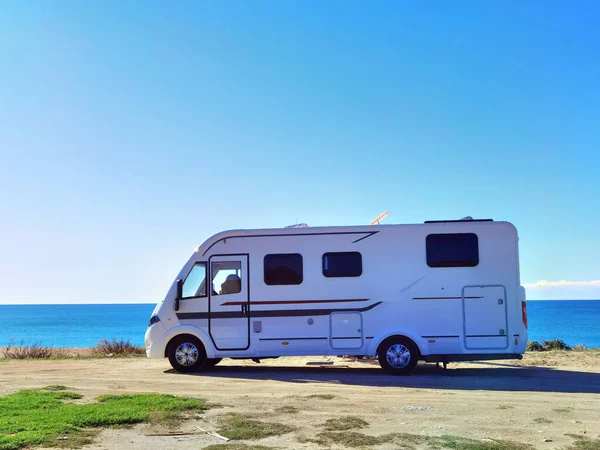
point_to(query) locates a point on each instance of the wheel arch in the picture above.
(192, 331)
(398, 332)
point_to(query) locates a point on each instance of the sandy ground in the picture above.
(486, 400)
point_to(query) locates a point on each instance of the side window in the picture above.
(283, 269)
(342, 264)
(226, 277)
(452, 250)
(195, 283)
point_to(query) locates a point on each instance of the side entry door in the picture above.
(485, 315)
(228, 312)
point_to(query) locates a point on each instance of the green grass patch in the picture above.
(288, 409)
(353, 439)
(344, 423)
(39, 417)
(240, 426)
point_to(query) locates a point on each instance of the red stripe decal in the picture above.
(294, 302)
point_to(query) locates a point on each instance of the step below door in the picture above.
(485, 325)
(346, 330)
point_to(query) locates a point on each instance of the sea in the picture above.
(573, 321)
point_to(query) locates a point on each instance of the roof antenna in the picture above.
(377, 219)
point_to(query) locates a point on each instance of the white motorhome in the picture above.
(439, 291)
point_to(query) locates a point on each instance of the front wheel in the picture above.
(398, 356)
(212, 362)
(186, 354)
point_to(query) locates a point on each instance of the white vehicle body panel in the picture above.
(444, 310)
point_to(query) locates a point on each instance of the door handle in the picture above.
(244, 309)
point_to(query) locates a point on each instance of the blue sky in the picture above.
(129, 132)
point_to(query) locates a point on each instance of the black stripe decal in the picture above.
(441, 298)
(368, 234)
(365, 237)
(439, 337)
(271, 313)
(486, 335)
(295, 339)
(309, 338)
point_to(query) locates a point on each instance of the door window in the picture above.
(226, 277)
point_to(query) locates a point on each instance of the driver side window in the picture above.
(195, 283)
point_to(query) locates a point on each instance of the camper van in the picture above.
(438, 291)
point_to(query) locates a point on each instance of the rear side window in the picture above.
(285, 268)
(342, 264)
(452, 250)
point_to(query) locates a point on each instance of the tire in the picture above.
(187, 354)
(398, 355)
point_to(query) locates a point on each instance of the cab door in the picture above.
(229, 313)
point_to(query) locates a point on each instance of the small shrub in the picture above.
(580, 347)
(22, 351)
(553, 344)
(116, 347)
(534, 346)
(542, 420)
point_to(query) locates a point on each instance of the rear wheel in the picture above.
(187, 354)
(398, 355)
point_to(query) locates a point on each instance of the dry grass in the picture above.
(288, 409)
(115, 347)
(344, 423)
(239, 426)
(353, 439)
(236, 447)
(23, 351)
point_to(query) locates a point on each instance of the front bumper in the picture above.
(155, 340)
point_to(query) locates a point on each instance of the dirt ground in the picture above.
(535, 401)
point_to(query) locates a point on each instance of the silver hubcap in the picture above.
(186, 354)
(398, 356)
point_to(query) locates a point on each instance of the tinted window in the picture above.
(283, 269)
(343, 264)
(452, 250)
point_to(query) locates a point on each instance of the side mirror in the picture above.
(179, 294)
